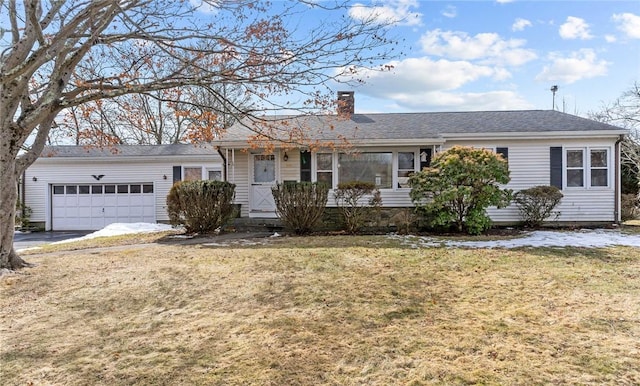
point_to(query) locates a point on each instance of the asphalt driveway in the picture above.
(33, 239)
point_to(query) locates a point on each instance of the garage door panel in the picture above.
(97, 211)
(92, 207)
(71, 212)
(136, 211)
(123, 212)
(97, 223)
(97, 200)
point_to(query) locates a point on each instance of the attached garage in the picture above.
(89, 207)
(88, 188)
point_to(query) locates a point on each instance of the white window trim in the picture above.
(394, 165)
(204, 170)
(586, 167)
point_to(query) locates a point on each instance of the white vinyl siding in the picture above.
(529, 166)
(238, 171)
(80, 171)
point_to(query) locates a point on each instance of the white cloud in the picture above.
(388, 12)
(462, 101)
(504, 1)
(582, 64)
(610, 38)
(628, 23)
(489, 47)
(520, 24)
(423, 84)
(575, 28)
(450, 11)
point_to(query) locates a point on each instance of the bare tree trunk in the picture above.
(9, 259)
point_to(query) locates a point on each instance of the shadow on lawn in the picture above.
(607, 255)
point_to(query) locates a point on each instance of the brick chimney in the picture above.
(346, 103)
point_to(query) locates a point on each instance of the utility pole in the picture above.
(554, 88)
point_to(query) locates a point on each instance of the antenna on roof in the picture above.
(554, 88)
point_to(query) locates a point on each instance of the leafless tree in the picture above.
(625, 112)
(63, 54)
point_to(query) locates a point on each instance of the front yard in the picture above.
(322, 310)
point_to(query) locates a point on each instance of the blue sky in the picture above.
(504, 55)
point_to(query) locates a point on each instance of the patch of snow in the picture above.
(275, 234)
(117, 229)
(586, 238)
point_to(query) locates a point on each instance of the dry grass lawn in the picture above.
(325, 310)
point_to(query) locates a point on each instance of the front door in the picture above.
(263, 178)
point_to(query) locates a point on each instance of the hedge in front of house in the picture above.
(536, 204)
(300, 205)
(355, 212)
(201, 206)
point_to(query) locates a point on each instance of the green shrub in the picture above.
(300, 205)
(629, 207)
(536, 204)
(201, 206)
(349, 197)
(460, 185)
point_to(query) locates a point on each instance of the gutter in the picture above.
(617, 183)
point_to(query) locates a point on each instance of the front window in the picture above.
(324, 173)
(192, 173)
(214, 175)
(367, 167)
(575, 168)
(406, 167)
(587, 167)
(599, 168)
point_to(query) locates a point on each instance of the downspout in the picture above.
(23, 192)
(617, 189)
(224, 164)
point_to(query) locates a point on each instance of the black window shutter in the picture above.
(556, 167)
(503, 151)
(177, 173)
(305, 166)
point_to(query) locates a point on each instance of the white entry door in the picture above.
(263, 178)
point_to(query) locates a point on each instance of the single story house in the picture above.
(543, 147)
(87, 188)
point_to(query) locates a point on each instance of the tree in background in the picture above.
(460, 185)
(60, 55)
(625, 112)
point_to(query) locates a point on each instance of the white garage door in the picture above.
(93, 206)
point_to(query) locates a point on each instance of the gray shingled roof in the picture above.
(128, 151)
(394, 126)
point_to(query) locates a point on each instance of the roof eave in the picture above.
(537, 135)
